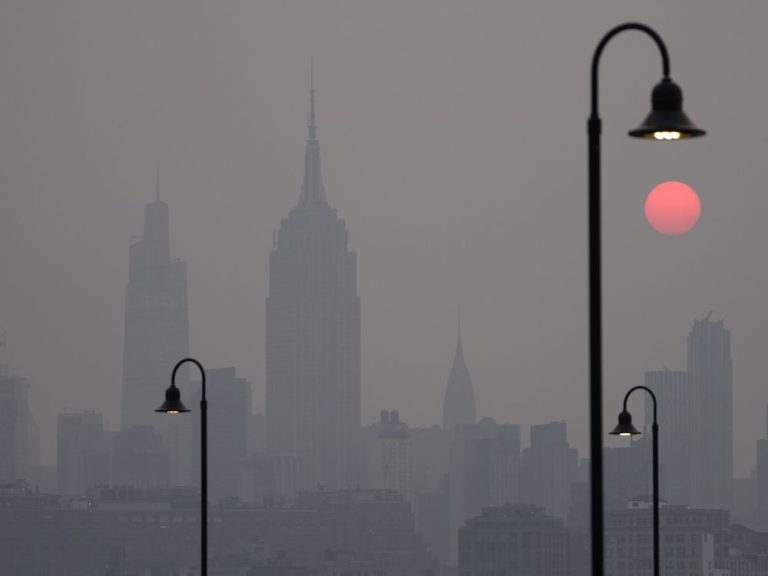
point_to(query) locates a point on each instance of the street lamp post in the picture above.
(666, 122)
(174, 405)
(625, 428)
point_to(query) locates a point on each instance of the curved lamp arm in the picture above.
(653, 396)
(601, 46)
(199, 367)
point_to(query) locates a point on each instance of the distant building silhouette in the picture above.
(19, 433)
(83, 452)
(313, 335)
(156, 319)
(229, 407)
(548, 468)
(710, 371)
(156, 337)
(484, 471)
(514, 540)
(390, 455)
(459, 403)
(691, 542)
(761, 476)
(140, 458)
(674, 396)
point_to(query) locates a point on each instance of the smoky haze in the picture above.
(453, 139)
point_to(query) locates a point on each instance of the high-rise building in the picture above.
(390, 455)
(459, 403)
(156, 337)
(313, 334)
(761, 476)
(484, 471)
(83, 453)
(156, 321)
(673, 395)
(229, 407)
(19, 434)
(548, 468)
(710, 371)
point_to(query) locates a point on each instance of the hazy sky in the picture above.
(453, 139)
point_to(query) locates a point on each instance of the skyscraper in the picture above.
(710, 372)
(19, 434)
(549, 467)
(229, 407)
(673, 394)
(156, 322)
(82, 454)
(313, 333)
(459, 403)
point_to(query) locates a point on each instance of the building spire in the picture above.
(312, 127)
(157, 182)
(459, 403)
(312, 189)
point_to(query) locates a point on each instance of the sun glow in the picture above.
(672, 208)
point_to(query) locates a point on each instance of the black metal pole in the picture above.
(595, 297)
(203, 484)
(203, 463)
(595, 349)
(655, 473)
(655, 434)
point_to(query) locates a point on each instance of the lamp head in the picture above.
(173, 403)
(667, 121)
(625, 427)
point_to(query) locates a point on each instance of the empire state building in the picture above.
(313, 334)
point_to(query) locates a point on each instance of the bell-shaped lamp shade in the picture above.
(625, 427)
(173, 403)
(667, 121)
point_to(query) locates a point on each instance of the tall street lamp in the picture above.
(174, 405)
(666, 122)
(625, 428)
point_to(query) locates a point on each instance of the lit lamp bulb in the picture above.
(667, 135)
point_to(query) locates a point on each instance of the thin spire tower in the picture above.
(312, 188)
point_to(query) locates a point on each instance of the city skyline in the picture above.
(448, 204)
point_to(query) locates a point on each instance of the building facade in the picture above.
(549, 467)
(514, 540)
(313, 335)
(710, 372)
(673, 392)
(390, 455)
(83, 453)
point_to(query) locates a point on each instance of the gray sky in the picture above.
(453, 138)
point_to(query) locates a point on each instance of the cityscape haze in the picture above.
(323, 302)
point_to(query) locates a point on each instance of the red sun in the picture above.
(672, 208)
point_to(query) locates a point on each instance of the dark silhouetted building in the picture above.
(459, 403)
(83, 452)
(485, 470)
(229, 408)
(140, 458)
(711, 454)
(761, 476)
(313, 335)
(19, 434)
(389, 451)
(688, 546)
(673, 392)
(514, 540)
(548, 468)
